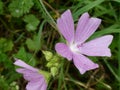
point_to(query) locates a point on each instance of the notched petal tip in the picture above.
(67, 12)
(110, 37)
(17, 62)
(98, 46)
(83, 64)
(95, 66)
(16, 59)
(86, 27)
(96, 21)
(86, 14)
(109, 55)
(84, 71)
(65, 26)
(22, 64)
(20, 70)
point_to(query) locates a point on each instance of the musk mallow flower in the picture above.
(76, 47)
(36, 81)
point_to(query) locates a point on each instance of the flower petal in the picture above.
(83, 64)
(81, 25)
(38, 84)
(28, 74)
(86, 27)
(44, 85)
(63, 50)
(66, 26)
(20, 63)
(98, 46)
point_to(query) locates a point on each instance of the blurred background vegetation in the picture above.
(29, 26)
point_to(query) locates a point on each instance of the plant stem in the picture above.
(5, 25)
(47, 13)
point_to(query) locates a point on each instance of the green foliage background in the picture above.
(28, 28)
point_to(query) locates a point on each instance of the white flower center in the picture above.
(74, 48)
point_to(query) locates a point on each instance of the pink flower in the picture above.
(36, 81)
(76, 47)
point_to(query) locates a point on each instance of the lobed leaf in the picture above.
(19, 8)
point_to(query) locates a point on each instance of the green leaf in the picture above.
(5, 45)
(3, 84)
(5, 61)
(89, 6)
(1, 7)
(32, 22)
(117, 1)
(20, 7)
(25, 56)
(45, 13)
(33, 44)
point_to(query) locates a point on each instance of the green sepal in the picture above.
(48, 55)
(54, 71)
(46, 75)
